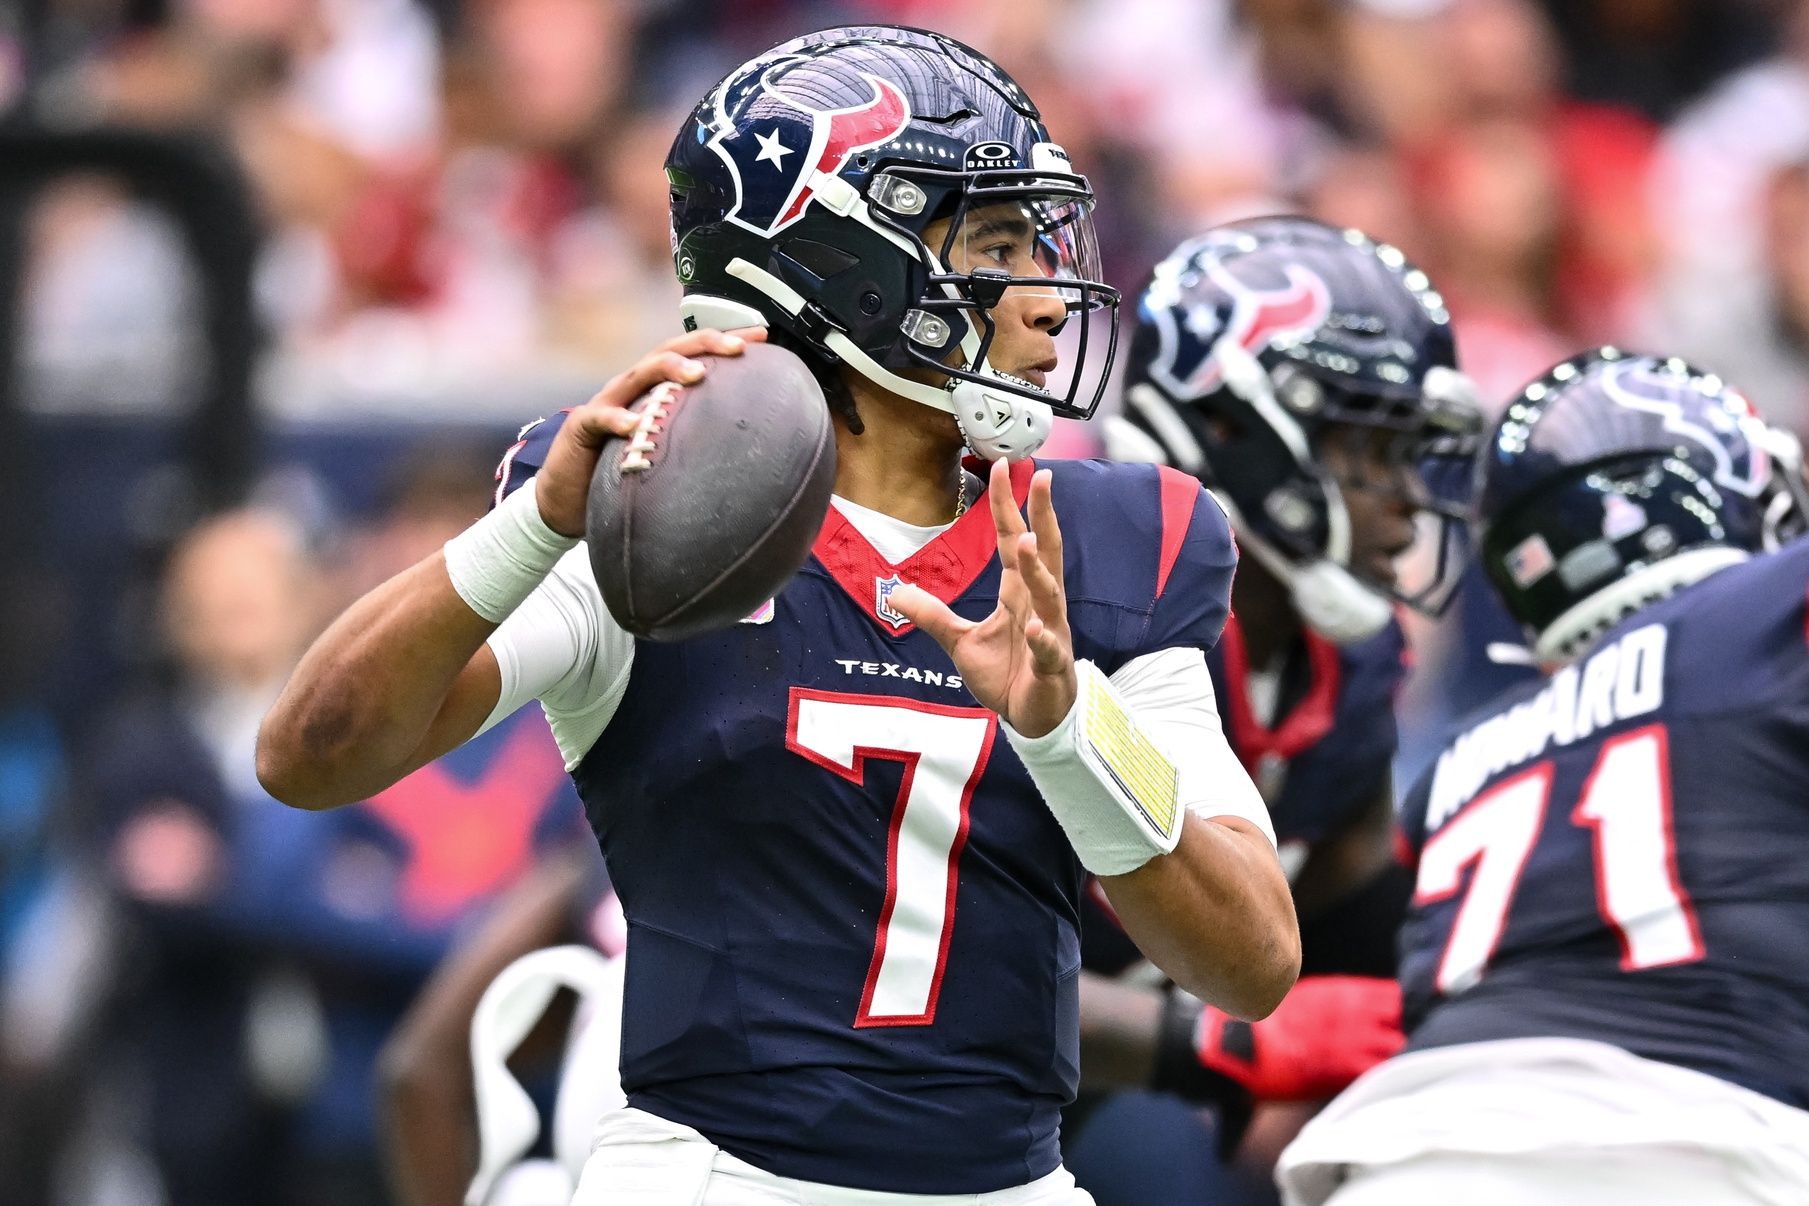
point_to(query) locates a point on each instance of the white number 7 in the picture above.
(944, 750)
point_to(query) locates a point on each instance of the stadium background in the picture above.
(279, 279)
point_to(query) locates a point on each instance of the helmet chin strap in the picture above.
(1328, 597)
(998, 423)
(995, 423)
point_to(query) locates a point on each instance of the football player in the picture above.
(1605, 967)
(1306, 373)
(849, 834)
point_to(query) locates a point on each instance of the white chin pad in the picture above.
(1336, 606)
(998, 424)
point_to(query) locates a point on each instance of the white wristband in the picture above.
(499, 560)
(1116, 796)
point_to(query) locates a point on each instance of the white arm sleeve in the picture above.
(1170, 692)
(562, 647)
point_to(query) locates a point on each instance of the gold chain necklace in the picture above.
(961, 494)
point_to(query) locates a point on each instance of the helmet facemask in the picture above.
(1303, 534)
(858, 278)
(947, 333)
(1005, 229)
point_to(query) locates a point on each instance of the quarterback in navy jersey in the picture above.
(1304, 372)
(849, 833)
(1606, 962)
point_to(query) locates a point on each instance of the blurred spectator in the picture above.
(1728, 193)
(170, 787)
(271, 951)
(434, 491)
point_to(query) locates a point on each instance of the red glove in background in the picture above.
(1328, 1031)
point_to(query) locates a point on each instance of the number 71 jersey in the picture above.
(1621, 852)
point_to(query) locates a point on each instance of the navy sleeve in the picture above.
(1410, 818)
(1196, 558)
(526, 455)
(1366, 733)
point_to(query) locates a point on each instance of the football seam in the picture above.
(625, 543)
(826, 441)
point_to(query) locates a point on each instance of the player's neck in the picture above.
(1265, 613)
(904, 463)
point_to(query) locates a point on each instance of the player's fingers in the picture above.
(1043, 522)
(1014, 594)
(1046, 593)
(930, 614)
(1049, 652)
(626, 387)
(594, 425)
(1006, 521)
(707, 341)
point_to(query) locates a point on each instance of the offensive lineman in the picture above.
(1606, 965)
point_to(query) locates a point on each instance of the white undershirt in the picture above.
(563, 648)
(893, 539)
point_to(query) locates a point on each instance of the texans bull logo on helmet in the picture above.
(1741, 464)
(775, 162)
(1250, 316)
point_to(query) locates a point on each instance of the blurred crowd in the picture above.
(461, 196)
(463, 214)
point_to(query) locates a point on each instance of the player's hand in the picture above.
(564, 481)
(1018, 661)
(1328, 1031)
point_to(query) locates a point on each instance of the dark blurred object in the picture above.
(1657, 55)
(203, 191)
(211, 450)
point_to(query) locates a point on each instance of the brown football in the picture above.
(707, 511)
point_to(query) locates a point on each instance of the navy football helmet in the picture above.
(1254, 337)
(802, 189)
(1614, 480)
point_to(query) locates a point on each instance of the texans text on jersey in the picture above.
(910, 674)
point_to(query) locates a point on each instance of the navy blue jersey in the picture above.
(852, 920)
(1621, 852)
(1326, 760)
(1320, 768)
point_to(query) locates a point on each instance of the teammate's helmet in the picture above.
(1614, 480)
(1249, 341)
(802, 187)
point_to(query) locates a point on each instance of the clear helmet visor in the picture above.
(1021, 281)
(1406, 456)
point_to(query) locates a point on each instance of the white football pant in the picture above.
(643, 1160)
(1546, 1122)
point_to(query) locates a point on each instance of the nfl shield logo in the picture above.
(882, 607)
